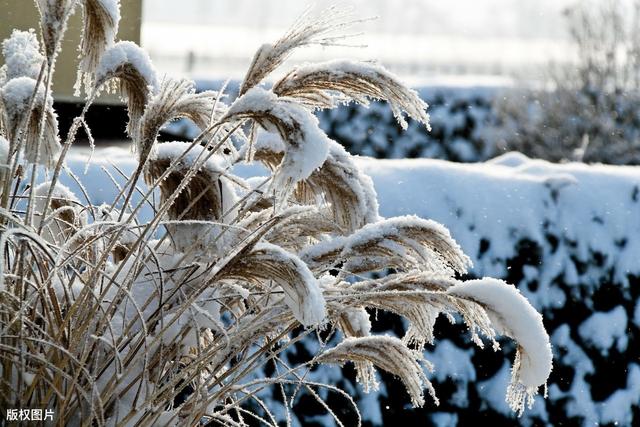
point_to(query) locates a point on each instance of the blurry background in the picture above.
(417, 39)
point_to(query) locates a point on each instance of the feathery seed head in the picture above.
(131, 68)
(327, 84)
(174, 100)
(308, 30)
(101, 20)
(54, 15)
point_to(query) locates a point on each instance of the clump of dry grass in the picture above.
(111, 321)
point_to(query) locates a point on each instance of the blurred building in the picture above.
(23, 14)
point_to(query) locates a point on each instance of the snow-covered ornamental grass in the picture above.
(110, 321)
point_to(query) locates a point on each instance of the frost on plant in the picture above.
(129, 67)
(101, 18)
(112, 320)
(22, 55)
(29, 117)
(317, 84)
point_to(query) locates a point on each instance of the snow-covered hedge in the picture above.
(567, 235)
(459, 118)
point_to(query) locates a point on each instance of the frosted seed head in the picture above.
(16, 96)
(22, 55)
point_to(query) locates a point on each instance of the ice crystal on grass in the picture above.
(101, 21)
(388, 353)
(178, 99)
(54, 16)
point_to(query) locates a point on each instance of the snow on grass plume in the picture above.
(101, 21)
(130, 67)
(123, 57)
(339, 185)
(512, 315)
(317, 84)
(24, 108)
(306, 145)
(205, 205)
(303, 294)
(406, 242)
(22, 55)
